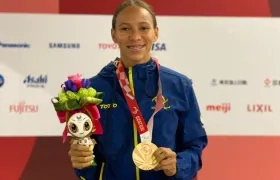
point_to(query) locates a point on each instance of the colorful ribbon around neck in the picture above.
(77, 95)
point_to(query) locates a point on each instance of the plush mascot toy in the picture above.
(76, 105)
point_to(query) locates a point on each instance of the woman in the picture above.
(176, 129)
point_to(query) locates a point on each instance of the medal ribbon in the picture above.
(145, 131)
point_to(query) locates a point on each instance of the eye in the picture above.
(144, 28)
(124, 29)
(73, 128)
(87, 125)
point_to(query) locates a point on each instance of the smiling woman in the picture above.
(134, 29)
(144, 137)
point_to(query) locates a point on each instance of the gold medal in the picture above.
(143, 157)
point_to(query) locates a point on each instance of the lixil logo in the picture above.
(259, 108)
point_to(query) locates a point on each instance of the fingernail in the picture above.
(91, 162)
(91, 148)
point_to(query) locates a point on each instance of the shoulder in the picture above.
(105, 74)
(176, 76)
(179, 85)
(95, 79)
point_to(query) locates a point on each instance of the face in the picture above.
(135, 34)
(79, 125)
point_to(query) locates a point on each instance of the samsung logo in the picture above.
(14, 45)
(64, 45)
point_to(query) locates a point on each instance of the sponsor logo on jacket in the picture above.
(165, 103)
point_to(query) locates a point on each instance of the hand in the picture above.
(81, 156)
(167, 161)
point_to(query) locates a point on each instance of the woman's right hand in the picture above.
(81, 156)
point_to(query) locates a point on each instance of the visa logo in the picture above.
(14, 45)
(36, 82)
(159, 47)
(64, 45)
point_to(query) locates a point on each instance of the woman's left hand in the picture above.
(167, 161)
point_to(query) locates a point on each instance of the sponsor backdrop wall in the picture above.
(233, 61)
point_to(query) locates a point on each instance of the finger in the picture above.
(163, 153)
(159, 154)
(168, 168)
(157, 168)
(81, 165)
(166, 151)
(163, 167)
(80, 153)
(171, 172)
(167, 162)
(82, 159)
(79, 147)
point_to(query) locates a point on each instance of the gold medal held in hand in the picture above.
(143, 157)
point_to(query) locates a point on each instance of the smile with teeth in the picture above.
(136, 47)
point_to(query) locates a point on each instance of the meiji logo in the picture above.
(224, 107)
(14, 45)
(259, 108)
(22, 107)
(36, 82)
(2, 80)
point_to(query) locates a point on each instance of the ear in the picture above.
(113, 35)
(156, 34)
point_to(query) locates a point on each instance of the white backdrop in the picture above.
(202, 48)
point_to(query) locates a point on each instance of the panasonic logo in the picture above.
(14, 45)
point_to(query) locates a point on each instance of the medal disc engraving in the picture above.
(142, 156)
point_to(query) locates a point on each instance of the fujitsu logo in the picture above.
(22, 107)
(224, 107)
(260, 108)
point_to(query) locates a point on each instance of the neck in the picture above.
(130, 63)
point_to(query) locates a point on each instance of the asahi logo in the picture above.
(259, 108)
(223, 107)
